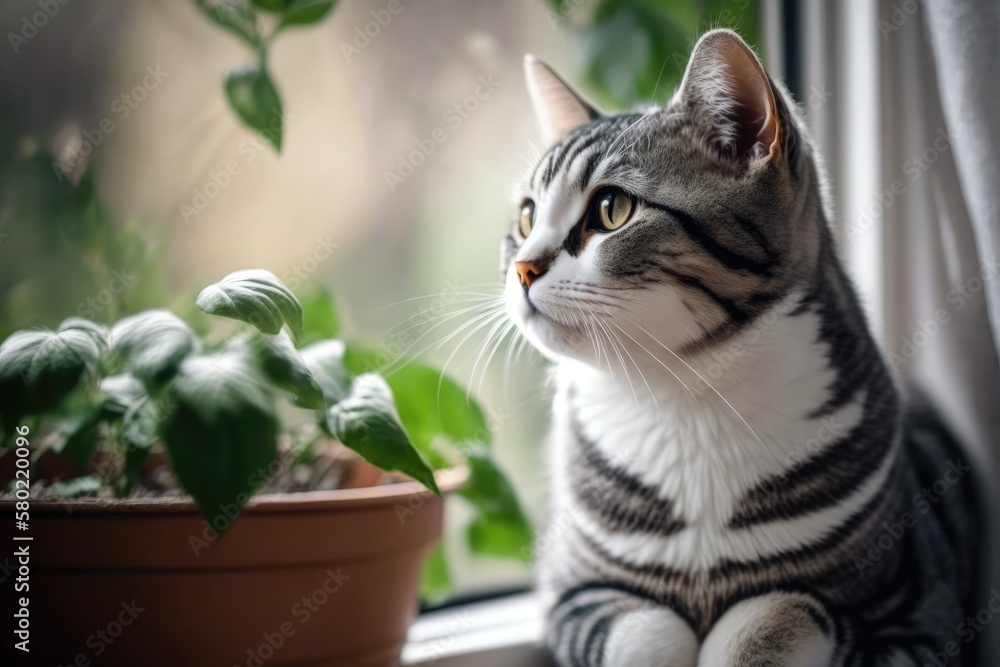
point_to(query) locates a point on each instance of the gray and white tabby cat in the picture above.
(737, 479)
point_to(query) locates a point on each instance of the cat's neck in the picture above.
(753, 398)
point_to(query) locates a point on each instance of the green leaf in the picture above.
(325, 360)
(122, 392)
(140, 424)
(431, 406)
(140, 416)
(39, 368)
(152, 345)
(77, 487)
(366, 421)
(254, 296)
(271, 5)
(500, 527)
(320, 319)
(135, 461)
(282, 363)
(235, 16)
(436, 582)
(221, 433)
(501, 536)
(635, 52)
(305, 12)
(255, 99)
(96, 332)
(79, 435)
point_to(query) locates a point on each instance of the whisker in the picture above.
(477, 324)
(638, 370)
(404, 356)
(501, 325)
(657, 359)
(437, 295)
(709, 385)
(462, 311)
(502, 340)
(618, 353)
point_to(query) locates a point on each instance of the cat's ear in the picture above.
(558, 108)
(731, 97)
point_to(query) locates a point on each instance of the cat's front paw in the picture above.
(651, 637)
(774, 630)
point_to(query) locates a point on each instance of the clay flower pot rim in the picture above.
(447, 481)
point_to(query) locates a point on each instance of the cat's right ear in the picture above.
(558, 108)
(732, 99)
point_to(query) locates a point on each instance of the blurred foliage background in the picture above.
(133, 171)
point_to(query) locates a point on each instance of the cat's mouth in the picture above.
(532, 308)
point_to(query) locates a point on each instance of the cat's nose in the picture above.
(529, 272)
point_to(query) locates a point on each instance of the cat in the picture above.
(737, 478)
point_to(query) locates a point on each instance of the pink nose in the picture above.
(529, 272)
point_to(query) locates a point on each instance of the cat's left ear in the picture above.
(559, 108)
(732, 99)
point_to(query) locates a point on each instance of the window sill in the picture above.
(497, 633)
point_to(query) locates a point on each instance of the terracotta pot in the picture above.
(311, 579)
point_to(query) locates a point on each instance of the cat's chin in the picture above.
(551, 339)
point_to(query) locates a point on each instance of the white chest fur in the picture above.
(706, 447)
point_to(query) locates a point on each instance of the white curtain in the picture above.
(945, 241)
(939, 164)
(909, 122)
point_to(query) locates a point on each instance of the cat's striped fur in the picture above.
(740, 481)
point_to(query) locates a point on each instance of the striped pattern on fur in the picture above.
(741, 480)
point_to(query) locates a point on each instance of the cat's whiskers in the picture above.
(595, 340)
(659, 361)
(591, 331)
(438, 295)
(616, 345)
(710, 386)
(493, 310)
(422, 321)
(652, 394)
(498, 333)
(476, 324)
(512, 354)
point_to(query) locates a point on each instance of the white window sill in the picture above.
(498, 633)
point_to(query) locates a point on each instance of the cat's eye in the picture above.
(613, 208)
(527, 218)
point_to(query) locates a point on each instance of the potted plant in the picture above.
(134, 453)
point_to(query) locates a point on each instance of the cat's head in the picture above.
(676, 226)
